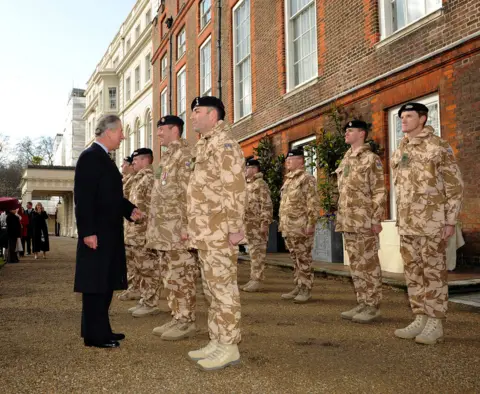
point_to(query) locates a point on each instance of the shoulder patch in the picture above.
(449, 150)
(228, 146)
(378, 164)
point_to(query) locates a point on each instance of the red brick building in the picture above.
(284, 63)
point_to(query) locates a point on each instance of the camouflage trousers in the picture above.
(148, 271)
(426, 274)
(258, 254)
(362, 250)
(301, 253)
(180, 283)
(219, 279)
(133, 278)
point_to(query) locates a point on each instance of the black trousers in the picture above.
(12, 256)
(95, 319)
(28, 241)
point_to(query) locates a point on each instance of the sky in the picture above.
(47, 48)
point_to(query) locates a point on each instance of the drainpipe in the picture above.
(169, 23)
(219, 47)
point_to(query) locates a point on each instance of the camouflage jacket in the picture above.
(258, 210)
(141, 188)
(216, 191)
(361, 186)
(168, 205)
(428, 184)
(299, 203)
(127, 181)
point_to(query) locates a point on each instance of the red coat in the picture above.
(24, 222)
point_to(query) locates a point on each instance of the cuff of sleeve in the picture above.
(375, 221)
(234, 227)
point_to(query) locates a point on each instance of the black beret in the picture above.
(209, 101)
(357, 124)
(142, 151)
(170, 119)
(128, 159)
(412, 107)
(295, 152)
(253, 163)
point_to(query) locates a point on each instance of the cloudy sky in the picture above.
(47, 48)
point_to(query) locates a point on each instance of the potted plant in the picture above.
(271, 165)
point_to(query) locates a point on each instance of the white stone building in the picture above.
(122, 82)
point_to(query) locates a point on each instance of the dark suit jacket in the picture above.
(99, 209)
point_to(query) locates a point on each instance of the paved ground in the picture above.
(286, 348)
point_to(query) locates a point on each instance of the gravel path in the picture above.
(286, 348)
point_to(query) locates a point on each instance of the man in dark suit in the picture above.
(99, 209)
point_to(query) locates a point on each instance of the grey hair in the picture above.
(106, 122)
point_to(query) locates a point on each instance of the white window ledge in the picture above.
(242, 120)
(410, 28)
(299, 88)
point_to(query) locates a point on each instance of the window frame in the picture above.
(137, 81)
(181, 44)
(386, 17)
(392, 140)
(163, 94)
(137, 32)
(301, 143)
(148, 17)
(289, 45)
(114, 108)
(128, 88)
(183, 70)
(237, 115)
(163, 77)
(203, 92)
(202, 15)
(148, 67)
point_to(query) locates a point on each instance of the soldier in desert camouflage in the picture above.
(167, 229)
(299, 210)
(133, 290)
(429, 190)
(361, 206)
(258, 216)
(145, 262)
(216, 204)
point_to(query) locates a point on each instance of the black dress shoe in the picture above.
(117, 337)
(104, 344)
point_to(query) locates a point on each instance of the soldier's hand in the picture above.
(137, 215)
(91, 241)
(310, 230)
(377, 228)
(448, 231)
(264, 229)
(184, 236)
(235, 238)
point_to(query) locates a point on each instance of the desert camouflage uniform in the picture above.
(216, 204)
(127, 181)
(145, 261)
(429, 190)
(361, 204)
(133, 279)
(258, 214)
(166, 223)
(299, 209)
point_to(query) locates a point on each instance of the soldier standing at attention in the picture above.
(133, 291)
(360, 210)
(167, 229)
(215, 206)
(258, 216)
(429, 190)
(299, 210)
(145, 262)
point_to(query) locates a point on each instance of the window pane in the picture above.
(433, 5)
(415, 10)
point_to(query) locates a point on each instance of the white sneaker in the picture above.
(145, 311)
(413, 329)
(432, 333)
(159, 331)
(204, 352)
(223, 356)
(180, 331)
(134, 308)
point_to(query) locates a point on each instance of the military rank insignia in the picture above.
(378, 163)
(158, 173)
(404, 160)
(346, 170)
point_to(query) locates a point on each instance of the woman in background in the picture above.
(24, 222)
(40, 231)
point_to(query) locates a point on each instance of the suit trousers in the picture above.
(95, 319)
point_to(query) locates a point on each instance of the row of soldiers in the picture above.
(199, 202)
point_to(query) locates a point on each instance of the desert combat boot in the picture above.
(303, 295)
(204, 352)
(432, 333)
(367, 315)
(159, 331)
(413, 329)
(180, 331)
(292, 294)
(223, 356)
(352, 312)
